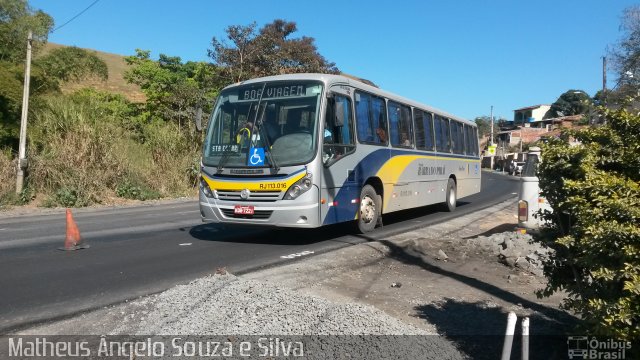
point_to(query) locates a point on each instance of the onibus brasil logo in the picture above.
(585, 347)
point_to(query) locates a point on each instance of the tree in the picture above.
(174, 90)
(572, 102)
(48, 71)
(270, 51)
(484, 125)
(626, 53)
(16, 19)
(66, 64)
(594, 190)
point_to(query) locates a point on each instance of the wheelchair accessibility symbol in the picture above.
(257, 157)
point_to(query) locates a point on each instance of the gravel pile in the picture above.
(515, 250)
(225, 304)
(231, 306)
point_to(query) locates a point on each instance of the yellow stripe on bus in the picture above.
(391, 171)
(277, 185)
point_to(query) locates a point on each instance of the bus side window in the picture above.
(442, 134)
(457, 137)
(371, 119)
(400, 125)
(424, 130)
(476, 147)
(468, 140)
(339, 139)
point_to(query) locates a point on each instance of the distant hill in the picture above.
(115, 83)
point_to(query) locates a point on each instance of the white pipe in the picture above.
(525, 338)
(508, 338)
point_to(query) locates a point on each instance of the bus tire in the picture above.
(451, 200)
(369, 210)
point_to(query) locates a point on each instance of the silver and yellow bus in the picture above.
(307, 150)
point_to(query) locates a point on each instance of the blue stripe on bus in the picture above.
(367, 168)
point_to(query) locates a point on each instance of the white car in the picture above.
(529, 199)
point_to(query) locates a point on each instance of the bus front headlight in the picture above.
(299, 187)
(206, 190)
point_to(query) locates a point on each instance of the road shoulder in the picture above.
(433, 280)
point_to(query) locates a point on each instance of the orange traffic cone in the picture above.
(73, 240)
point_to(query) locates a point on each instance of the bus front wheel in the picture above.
(369, 209)
(451, 199)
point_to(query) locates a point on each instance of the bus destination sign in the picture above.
(273, 92)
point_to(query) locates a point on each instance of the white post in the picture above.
(22, 152)
(525, 338)
(508, 338)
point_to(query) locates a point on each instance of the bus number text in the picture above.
(273, 186)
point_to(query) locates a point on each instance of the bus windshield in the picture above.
(264, 124)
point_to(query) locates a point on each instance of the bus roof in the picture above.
(330, 79)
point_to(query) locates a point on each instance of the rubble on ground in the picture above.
(515, 250)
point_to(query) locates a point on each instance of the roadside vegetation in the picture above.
(88, 146)
(590, 175)
(594, 190)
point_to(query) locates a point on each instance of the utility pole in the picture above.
(491, 119)
(491, 164)
(22, 153)
(604, 80)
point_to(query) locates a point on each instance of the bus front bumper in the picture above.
(281, 213)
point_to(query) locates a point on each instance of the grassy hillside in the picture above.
(92, 144)
(116, 83)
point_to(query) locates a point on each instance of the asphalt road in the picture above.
(142, 250)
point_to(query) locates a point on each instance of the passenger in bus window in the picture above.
(243, 136)
(382, 135)
(404, 139)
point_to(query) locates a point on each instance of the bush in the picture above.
(7, 177)
(88, 146)
(67, 197)
(74, 146)
(594, 190)
(131, 190)
(172, 153)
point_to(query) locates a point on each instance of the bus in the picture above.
(308, 150)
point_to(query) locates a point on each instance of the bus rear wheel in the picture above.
(451, 199)
(369, 209)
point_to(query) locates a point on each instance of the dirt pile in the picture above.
(515, 250)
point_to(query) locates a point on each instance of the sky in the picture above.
(461, 56)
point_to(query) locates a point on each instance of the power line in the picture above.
(73, 18)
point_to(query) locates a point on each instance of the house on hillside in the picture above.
(530, 125)
(531, 114)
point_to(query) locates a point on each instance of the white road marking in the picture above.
(185, 244)
(514, 193)
(292, 256)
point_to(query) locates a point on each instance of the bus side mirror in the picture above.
(199, 118)
(338, 110)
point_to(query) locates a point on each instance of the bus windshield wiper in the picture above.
(226, 154)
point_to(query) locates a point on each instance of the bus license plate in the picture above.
(243, 210)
